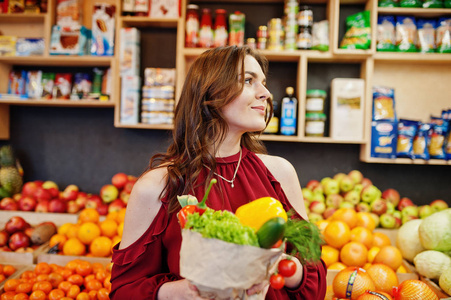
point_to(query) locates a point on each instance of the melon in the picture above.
(432, 264)
(435, 231)
(408, 239)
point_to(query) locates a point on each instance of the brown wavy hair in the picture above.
(199, 126)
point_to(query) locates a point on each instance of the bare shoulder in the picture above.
(284, 172)
(143, 205)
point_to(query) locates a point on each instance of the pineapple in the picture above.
(11, 180)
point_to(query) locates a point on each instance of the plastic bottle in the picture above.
(289, 109)
(192, 26)
(206, 29)
(221, 36)
(273, 126)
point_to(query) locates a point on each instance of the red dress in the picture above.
(141, 268)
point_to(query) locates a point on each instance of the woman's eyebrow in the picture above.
(253, 74)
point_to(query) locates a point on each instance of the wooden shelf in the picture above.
(328, 140)
(418, 12)
(129, 21)
(22, 18)
(59, 102)
(146, 126)
(442, 58)
(59, 60)
(407, 161)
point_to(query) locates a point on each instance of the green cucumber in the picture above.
(271, 232)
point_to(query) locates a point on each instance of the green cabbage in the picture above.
(222, 225)
(435, 231)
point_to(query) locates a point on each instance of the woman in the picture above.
(222, 109)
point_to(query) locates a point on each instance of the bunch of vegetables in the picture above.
(261, 223)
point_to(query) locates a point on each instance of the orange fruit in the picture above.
(76, 279)
(73, 291)
(352, 282)
(63, 229)
(372, 253)
(8, 270)
(72, 231)
(401, 269)
(378, 295)
(384, 278)
(96, 266)
(103, 294)
(101, 275)
(65, 286)
(120, 229)
(365, 219)
(93, 284)
(389, 255)
(37, 295)
(322, 224)
(380, 239)
(42, 268)
(337, 266)
(83, 296)
(414, 289)
(8, 295)
(2, 278)
(66, 273)
(347, 215)
(44, 286)
(92, 294)
(84, 268)
(329, 255)
(354, 254)
(107, 282)
(89, 215)
(112, 215)
(73, 246)
(88, 232)
(121, 215)
(116, 239)
(42, 277)
(362, 235)
(56, 294)
(108, 228)
(337, 233)
(72, 265)
(21, 296)
(329, 293)
(101, 246)
(55, 279)
(24, 287)
(59, 239)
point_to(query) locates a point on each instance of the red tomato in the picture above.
(287, 267)
(277, 281)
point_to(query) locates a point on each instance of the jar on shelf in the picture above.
(192, 26)
(275, 34)
(304, 39)
(314, 124)
(305, 16)
(315, 101)
(262, 37)
(221, 35)
(206, 29)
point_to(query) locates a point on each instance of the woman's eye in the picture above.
(248, 80)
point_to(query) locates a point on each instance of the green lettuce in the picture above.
(222, 225)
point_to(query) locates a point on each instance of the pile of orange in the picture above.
(77, 280)
(351, 241)
(6, 271)
(90, 236)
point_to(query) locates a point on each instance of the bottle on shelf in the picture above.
(206, 29)
(221, 36)
(289, 109)
(236, 28)
(273, 125)
(192, 26)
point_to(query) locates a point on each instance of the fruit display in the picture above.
(78, 279)
(6, 271)
(10, 173)
(323, 197)
(90, 235)
(427, 244)
(19, 236)
(45, 196)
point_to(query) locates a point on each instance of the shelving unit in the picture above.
(403, 71)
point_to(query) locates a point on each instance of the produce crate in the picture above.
(20, 268)
(7, 257)
(35, 218)
(62, 260)
(401, 276)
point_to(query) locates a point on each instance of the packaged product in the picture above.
(141, 7)
(48, 82)
(16, 6)
(407, 130)
(383, 139)
(70, 40)
(129, 53)
(63, 84)
(29, 47)
(68, 13)
(383, 103)
(432, 3)
(358, 31)
(410, 3)
(320, 35)
(17, 81)
(7, 45)
(443, 35)
(159, 76)
(130, 96)
(421, 141)
(438, 135)
(406, 34)
(164, 8)
(426, 35)
(103, 29)
(388, 3)
(82, 86)
(34, 84)
(32, 6)
(386, 34)
(236, 28)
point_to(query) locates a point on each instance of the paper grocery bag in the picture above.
(222, 270)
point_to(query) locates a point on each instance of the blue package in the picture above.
(17, 82)
(426, 35)
(383, 139)
(386, 35)
(406, 34)
(421, 141)
(29, 47)
(383, 103)
(437, 140)
(407, 130)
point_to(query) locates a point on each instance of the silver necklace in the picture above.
(234, 175)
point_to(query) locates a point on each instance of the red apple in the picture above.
(108, 193)
(93, 201)
(124, 196)
(4, 238)
(116, 205)
(119, 180)
(16, 224)
(391, 195)
(29, 231)
(57, 206)
(70, 192)
(27, 203)
(42, 194)
(129, 186)
(17, 196)
(18, 240)
(5, 249)
(39, 182)
(55, 193)
(81, 200)
(50, 184)
(379, 206)
(366, 182)
(42, 206)
(438, 205)
(329, 212)
(29, 188)
(404, 202)
(73, 207)
(312, 184)
(132, 178)
(9, 204)
(102, 209)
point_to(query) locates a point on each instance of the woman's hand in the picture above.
(294, 281)
(257, 288)
(179, 290)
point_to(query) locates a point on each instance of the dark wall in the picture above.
(81, 146)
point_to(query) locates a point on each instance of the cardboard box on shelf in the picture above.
(164, 8)
(103, 30)
(129, 53)
(22, 258)
(62, 260)
(35, 218)
(130, 98)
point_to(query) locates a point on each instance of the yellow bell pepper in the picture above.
(257, 212)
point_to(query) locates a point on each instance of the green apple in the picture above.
(370, 193)
(387, 221)
(346, 184)
(334, 200)
(331, 186)
(358, 187)
(425, 211)
(356, 176)
(346, 204)
(390, 207)
(410, 211)
(338, 176)
(352, 197)
(314, 217)
(324, 180)
(307, 194)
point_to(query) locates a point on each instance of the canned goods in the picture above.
(262, 32)
(276, 34)
(314, 124)
(304, 40)
(315, 101)
(261, 43)
(305, 16)
(251, 43)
